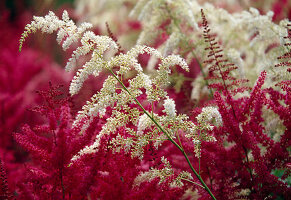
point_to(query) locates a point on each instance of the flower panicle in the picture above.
(285, 61)
(68, 32)
(220, 72)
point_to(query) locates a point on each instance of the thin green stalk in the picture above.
(165, 132)
(193, 182)
(152, 110)
(199, 165)
(179, 140)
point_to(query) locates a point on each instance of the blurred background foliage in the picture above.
(17, 6)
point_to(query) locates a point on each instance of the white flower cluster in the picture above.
(172, 42)
(68, 32)
(163, 174)
(126, 62)
(143, 123)
(254, 36)
(170, 107)
(207, 114)
(200, 132)
(152, 13)
(91, 41)
(119, 66)
(87, 150)
(236, 30)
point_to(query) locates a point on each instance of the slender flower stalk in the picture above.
(168, 136)
(107, 96)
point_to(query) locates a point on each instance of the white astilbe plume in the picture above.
(153, 13)
(68, 32)
(204, 120)
(90, 41)
(172, 42)
(207, 114)
(142, 81)
(170, 107)
(234, 57)
(100, 101)
(143, 123)
(236, 30)
(251, 34)
(95, 65)
(125, 62)
(164, 68)
(121, 101)
(91, 67)
(87, 150)
(137, 8)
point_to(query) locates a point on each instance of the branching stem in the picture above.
(193, 182)
(166, 133)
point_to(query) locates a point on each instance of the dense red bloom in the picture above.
(242, 164)
(20, 76)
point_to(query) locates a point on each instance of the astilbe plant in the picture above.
(242, 162)
(123, 142)
(20, 76)
(121, 94)
(51, 147)
(49, 175)
(250, 157)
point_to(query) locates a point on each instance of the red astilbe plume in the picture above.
(220, 71)
(20, 76)
(5, 194)
(51, 147)
(53, 175)
(242, 161)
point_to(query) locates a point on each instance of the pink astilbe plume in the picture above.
(20, 76)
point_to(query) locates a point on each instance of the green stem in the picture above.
(199, 165)
(165, 132)
(179, 139)
(152, 109)
(192, 182)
